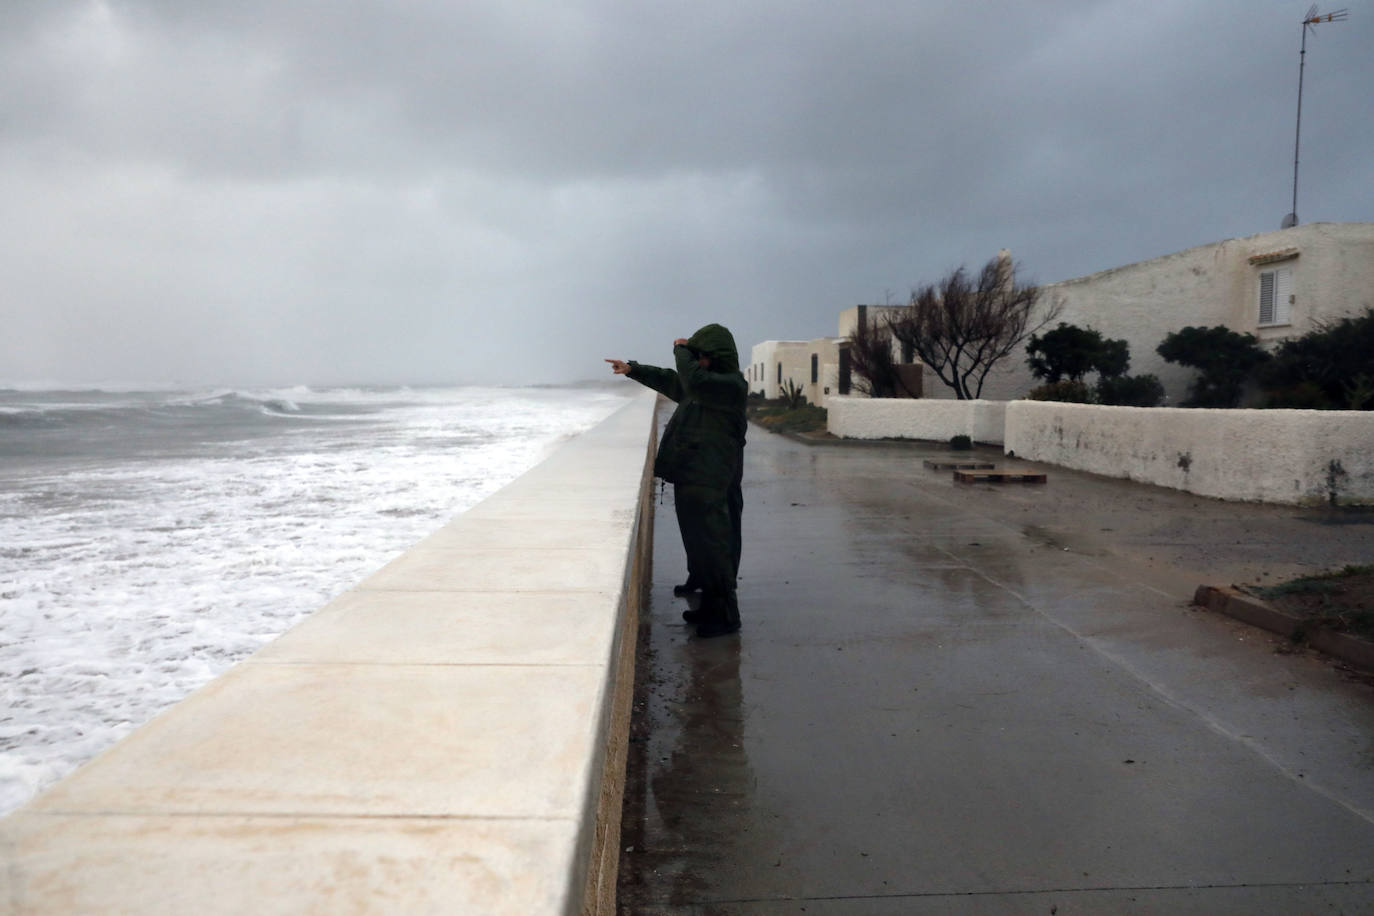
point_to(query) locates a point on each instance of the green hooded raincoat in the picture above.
(702, 454)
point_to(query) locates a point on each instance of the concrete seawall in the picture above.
(448, 737)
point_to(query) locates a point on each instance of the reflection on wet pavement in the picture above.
(978, 699)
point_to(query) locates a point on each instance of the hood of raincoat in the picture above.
(716, 341)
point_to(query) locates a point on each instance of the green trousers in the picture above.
(734, 503)
(706, 517)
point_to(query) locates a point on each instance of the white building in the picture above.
(820, 367)
(811, 365)
(1275, 285)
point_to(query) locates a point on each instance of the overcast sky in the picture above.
(271, 192)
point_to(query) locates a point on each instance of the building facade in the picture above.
(811, 365)
(819, 367)
(1275, 285)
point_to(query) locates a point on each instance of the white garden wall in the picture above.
(919, 418)
(1303, 457)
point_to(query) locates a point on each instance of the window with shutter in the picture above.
(1276, 296)
(1283, 295)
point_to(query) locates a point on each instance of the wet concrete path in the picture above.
(986, 699)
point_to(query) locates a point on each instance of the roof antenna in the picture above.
(1311, 19)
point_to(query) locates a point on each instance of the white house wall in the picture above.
(825, 380)
(876, 315)
(791, 359)
(1216, 284)
(1333, 277)
(794, 358)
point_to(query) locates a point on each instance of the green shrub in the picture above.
(1070, 352)
(793, 395)
(1302, 396)
(1130, 391)
(1359, 392)
(960, 443)
(1066, 390)
(782, 419)
(1331, 367)
(1224, 359)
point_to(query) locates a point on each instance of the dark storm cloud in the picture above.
(315, 191)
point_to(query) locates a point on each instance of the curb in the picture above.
(826, 439)
(803, 438)
(1350, 649)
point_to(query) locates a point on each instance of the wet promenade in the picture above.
(987, 699)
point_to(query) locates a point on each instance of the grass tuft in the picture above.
(780, 418)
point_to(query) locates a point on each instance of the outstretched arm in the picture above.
(664, 381)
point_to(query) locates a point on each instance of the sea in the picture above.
(150, 539)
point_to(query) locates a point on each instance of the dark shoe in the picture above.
(731, 610)
(699, 616)
(687, 588)
(710, 628)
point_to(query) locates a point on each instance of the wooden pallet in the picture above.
(959, 466)
(999, 477)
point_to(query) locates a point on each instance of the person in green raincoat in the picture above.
(702, 456)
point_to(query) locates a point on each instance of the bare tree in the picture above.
(871, 360)
(961, 328)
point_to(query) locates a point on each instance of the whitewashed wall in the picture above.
(1280, 456)
(1333, 276)
(827, 353)
(830, 382)
(794, 357)
(921, 418)
(875, 315)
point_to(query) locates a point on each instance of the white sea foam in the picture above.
(127, 581)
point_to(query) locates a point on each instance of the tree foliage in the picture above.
(963, 326)
(1070, 352)
(1225, 360)
(1331, 367)
(1130, 390)
(1067, 390)
(1111, 390)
